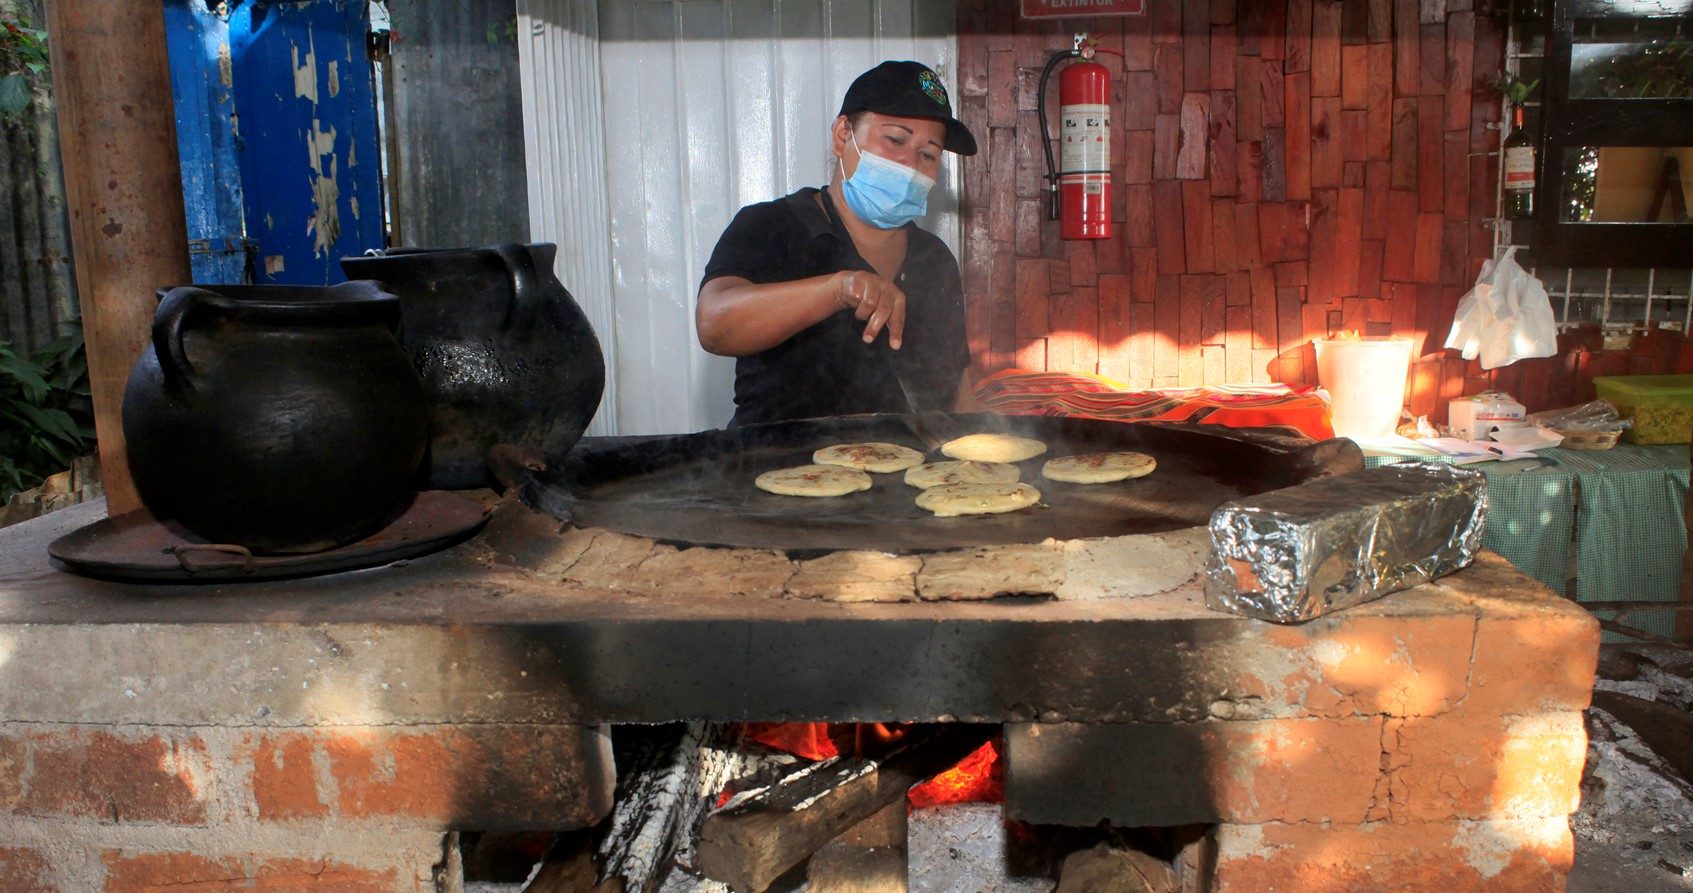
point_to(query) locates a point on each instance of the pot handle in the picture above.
(168, 321)
(525, 285)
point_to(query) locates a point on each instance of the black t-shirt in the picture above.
(827, 369)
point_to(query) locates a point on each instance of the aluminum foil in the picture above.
(1296, 554)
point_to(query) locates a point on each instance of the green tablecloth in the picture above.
(1620, 510)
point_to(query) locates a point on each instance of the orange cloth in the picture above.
(1021, 392)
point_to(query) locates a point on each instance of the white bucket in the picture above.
(1365, 378)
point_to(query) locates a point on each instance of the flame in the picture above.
(978, 778)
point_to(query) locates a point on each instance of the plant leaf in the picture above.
(27, 374)
(52, 421)
(15, 95)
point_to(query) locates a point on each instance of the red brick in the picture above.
(1533, 664)
(189, 873)
(284, 780)
(1466, 765)
(24, 870)
(1501, 856)
(489, 777)
(1360, 664)
(106, 776)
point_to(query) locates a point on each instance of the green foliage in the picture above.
(1658, 70)
(23, 62)
(46, 414)
(1516, 90)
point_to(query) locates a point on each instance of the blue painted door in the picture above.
(305, 105)
(202, 85)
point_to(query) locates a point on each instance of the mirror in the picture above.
(1627, 184)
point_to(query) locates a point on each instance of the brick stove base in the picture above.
(325, 734)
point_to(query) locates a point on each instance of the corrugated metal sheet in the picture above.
(558, 52)
(457, 115)
(37, 292)
(703, 106)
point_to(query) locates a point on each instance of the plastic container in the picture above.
(1365, 378)
(1660, 406)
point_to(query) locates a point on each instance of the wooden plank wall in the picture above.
(1283, 170)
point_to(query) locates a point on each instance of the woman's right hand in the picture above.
(874, 299)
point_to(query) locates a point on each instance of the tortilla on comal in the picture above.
(950, 500)
(813, 480)
(1099, 468)
(958, 471)
(877, 457)
(993, 448)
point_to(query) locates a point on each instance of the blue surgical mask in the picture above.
(883, 192)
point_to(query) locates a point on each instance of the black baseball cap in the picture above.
(908, 90)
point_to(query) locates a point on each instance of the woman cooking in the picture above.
(831, 300)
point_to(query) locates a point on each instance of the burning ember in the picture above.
(978, 778)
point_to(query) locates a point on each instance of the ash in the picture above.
(1634, 831)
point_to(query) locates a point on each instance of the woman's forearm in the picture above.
(736, 317)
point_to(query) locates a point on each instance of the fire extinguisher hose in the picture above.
(1045, 134)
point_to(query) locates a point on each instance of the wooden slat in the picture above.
(1167, 226)
(1426, 259)
(1166, 146)
(1298, 36)
(1431, 182)
(1220, 150)
(1248, 248)
(1400, 265)
(1379, 109)
(1407, 48)
(1296, 89)
(1190, 364)
(1137, 155)
(1223, 236)
(1379, 26)
(1140, 100)
(1405, 143)
(1355, 77)
(1002, 102)
(1214, 367)
(1264, 309)
(1249, 99)
(1167, 316)
(1326, 149)
(1460, 75)
(1167, 68)
(1196, 44)
(1143, 274)
(1032, 280)
(1191, 147)
(1138, 229)
(1084, 330)
(1200, 250)
(1325, 47)
(1455, 151)
(1142, 346)
(1222, 57)
(1370, 257)
(1431, 47)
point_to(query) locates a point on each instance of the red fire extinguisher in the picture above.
(1080, 184)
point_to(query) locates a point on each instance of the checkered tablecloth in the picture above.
(1619, 510)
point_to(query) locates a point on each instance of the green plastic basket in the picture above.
(1660, 406)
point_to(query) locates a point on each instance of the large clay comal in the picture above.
(505, 352)
(284, 419)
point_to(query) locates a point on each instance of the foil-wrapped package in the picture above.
(1296, 554)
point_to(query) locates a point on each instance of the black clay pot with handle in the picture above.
(285, 419)
(505, 352)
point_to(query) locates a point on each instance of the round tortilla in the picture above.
(1099, 468)
(993, 448)
(936, 474)
(813, 480)
(951, 500)
(878, 457)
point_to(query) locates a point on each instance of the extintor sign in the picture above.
(1072, 9)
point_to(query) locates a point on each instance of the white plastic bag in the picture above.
(1506, 317)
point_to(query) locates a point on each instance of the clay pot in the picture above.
(505, 352)
(285, 419)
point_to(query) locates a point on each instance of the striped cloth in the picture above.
(1020, 392)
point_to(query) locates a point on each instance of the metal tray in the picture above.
(697, 489)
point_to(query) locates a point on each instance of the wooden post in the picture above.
(123, 191)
